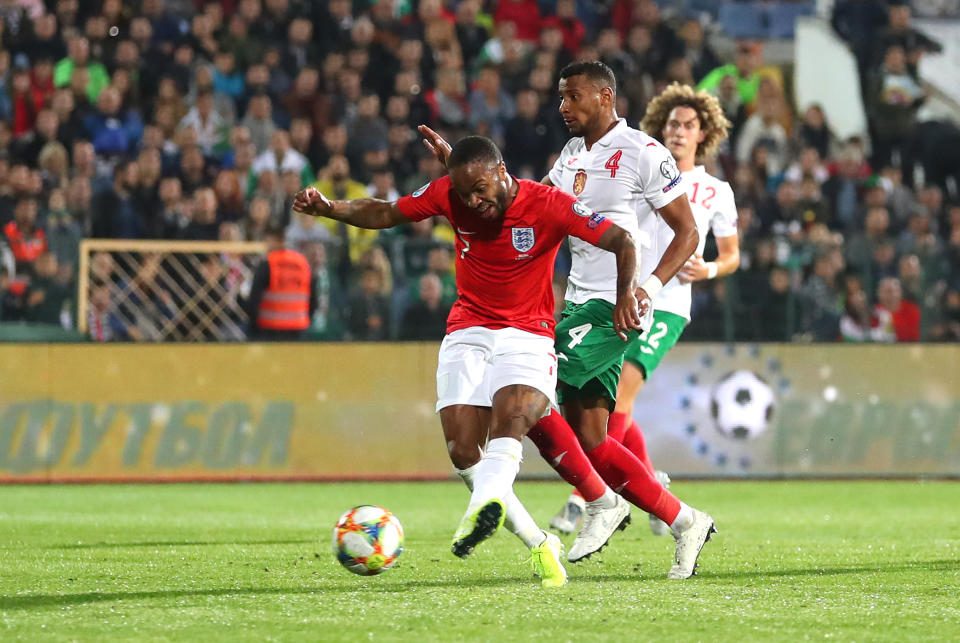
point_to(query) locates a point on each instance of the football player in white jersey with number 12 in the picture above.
(691, 125)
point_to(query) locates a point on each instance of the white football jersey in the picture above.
(711, 201)
(626, 176)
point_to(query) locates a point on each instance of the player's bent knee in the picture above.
(463, 455)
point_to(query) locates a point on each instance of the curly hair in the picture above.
(713, 122)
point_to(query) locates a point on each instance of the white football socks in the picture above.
(683, 520)
(518, 520)
(496, 472)
(607, 501)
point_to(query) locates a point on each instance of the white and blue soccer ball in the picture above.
(367, 540)
(742, 405)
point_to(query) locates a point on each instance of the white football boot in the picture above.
(599, 525)
(568, 519)
(689, 543)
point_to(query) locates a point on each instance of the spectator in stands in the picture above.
(211, 127)
(893, 98)
(900, 33)
(270, 189)
(369, 308)
(844, 189)
(426, 318)
(77, 60)
(525, 14)
(63, 233)
(820, 296)
(48, 294)
(859, 322)
(54, 165)
(491, 108)
(743, 71)
(283, 297)
(26, 102)
(470, 33)
(697, 50)
(910, 274)
(919, 239)
(448, 104)
(281, 157)
(861, 247)
(117, 212)
(103, 321)
(440, 263)
(336, 183)
(305, 230)
(366, 129)
(814, 131)
(326, 322)
(764, 128)
(808, 166)
(899, 317)
(24, 238)
(27, 147)
(203, 224)
(258, 222)
(527, 141)
(113, 130)
(259, 121)
(229, 192)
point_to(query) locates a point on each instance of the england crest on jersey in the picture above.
(523, 239)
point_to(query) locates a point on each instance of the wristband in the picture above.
(652, 286)
(712, 269)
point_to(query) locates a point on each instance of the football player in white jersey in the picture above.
(692, 125)
(628, 177)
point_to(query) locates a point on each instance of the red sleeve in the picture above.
(427, 201)
(579, 221)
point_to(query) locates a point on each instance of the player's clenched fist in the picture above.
(311, 201)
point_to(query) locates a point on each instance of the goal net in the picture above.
(182, 291)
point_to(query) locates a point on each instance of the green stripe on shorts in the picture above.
(646, 352)
(589, 351)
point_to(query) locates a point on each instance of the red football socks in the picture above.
(560, 448)
(625, 430)
(629, 477)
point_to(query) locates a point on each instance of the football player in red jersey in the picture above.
(497, 368)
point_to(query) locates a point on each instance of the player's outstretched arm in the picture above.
(632, 301)
(373, 214)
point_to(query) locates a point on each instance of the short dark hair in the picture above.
(595, 70)
(474, 148)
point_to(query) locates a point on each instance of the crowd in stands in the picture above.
(199, 120)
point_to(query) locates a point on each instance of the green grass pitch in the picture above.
(851, 561)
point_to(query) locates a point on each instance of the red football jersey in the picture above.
(505, 267)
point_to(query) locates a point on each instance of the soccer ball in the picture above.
(368, 540)
(742, 405)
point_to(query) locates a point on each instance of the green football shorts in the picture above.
(646, 351)
(589, 352)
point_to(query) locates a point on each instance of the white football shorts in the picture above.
(477, 362)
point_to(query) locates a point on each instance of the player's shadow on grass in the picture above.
(178, 543)
(35, 601)
(945, 565)
(40, 601)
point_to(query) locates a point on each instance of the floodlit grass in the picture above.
(852, 561)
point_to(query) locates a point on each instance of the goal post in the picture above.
(186, 291)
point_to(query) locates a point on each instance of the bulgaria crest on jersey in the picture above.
(579, 182)
(523, 239)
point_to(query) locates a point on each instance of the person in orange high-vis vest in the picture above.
(282, 298)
